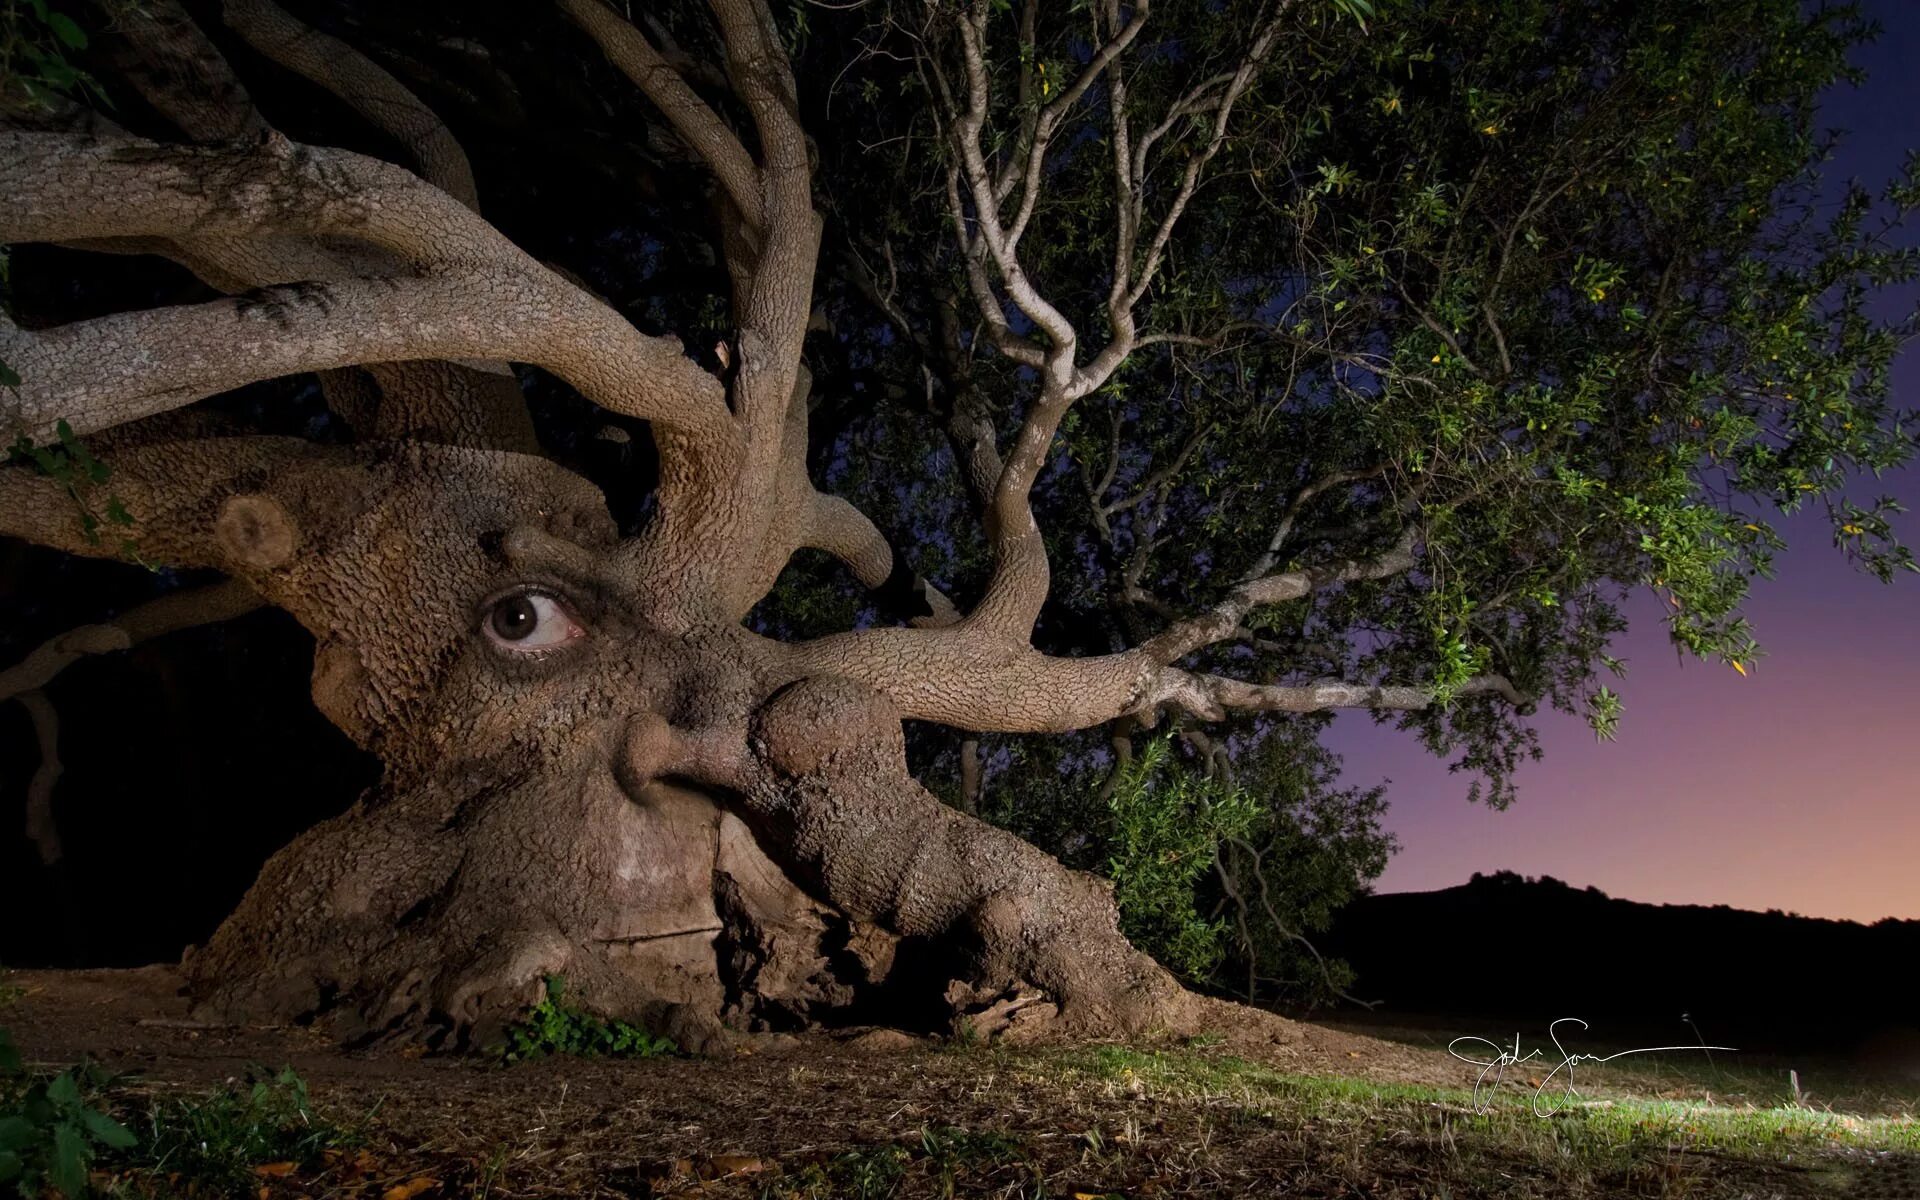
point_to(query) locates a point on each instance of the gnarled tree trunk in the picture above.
(592, 768)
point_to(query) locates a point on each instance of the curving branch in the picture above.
(1222, 620)
(41, 828)
(363, 84)
(104, 372)
(24, 680)
(168, 59)
(959, 677)
(697, 124)
(840, 529)
(989, 234)
(182, 74)
(174, 611)
(1213, 696)
(465, 292)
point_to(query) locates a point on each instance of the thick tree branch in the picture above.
(966, 678)
(105, 372)
(363, 84)
(845, 532)
(471, 295)
(697, 124)
(65, 188)
(169, 61)
(183, 75)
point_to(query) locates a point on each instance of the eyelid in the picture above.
(550, 610)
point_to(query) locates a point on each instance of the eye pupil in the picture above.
(514, 618)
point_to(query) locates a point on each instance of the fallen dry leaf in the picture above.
(274, 1170)
(737, 1164)
(410, 1189)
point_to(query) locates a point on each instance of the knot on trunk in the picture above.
(256, 532)
(831, 725)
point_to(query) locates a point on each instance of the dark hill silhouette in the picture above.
(1504, 946)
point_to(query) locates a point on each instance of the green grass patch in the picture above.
(59, 1130)
(946, 1157)
(1606, 1137)
(218, 1140)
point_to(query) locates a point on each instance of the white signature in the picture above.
(1493, 1070)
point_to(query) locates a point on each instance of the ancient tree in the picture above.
(1338, 426)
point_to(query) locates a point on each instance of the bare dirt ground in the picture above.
(878, 1115)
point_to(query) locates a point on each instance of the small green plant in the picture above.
(70, 464)
(216, 1141)
(555, 1027)
(50, 1129)
(869, 1173)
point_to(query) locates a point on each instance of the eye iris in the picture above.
(514, 618)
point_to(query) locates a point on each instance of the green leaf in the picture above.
(64, 28)
(15, 1132)
(64, 1090)
(107, 1131)
(68, 1171)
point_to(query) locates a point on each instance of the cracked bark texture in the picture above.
(702, 829)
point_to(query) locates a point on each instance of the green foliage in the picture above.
(1316, 847)
(55, 1129)
(1223, 882)
(70, 464)
(51, 1129)
(35, 39)
(870, 1173)
(1168, 825)
(217, 1140)
(555, 1027)
(1562, 285)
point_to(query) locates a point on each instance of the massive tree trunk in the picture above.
(592, 769)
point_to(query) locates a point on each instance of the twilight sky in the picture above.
(1796, 788)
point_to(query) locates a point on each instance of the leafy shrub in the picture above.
(50, 1130)
(1168, 823)
(1224, 875)
(555, 1027)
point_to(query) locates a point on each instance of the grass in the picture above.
(1119, 1121)
(1737, 1079)
(226, 1140)
(1607, 1138)
(83, 1132)
(945, 1158)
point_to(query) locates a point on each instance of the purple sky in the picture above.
(1795, 788)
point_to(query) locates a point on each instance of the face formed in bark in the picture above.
(571, 790)
(474, 632)
(592, 768)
